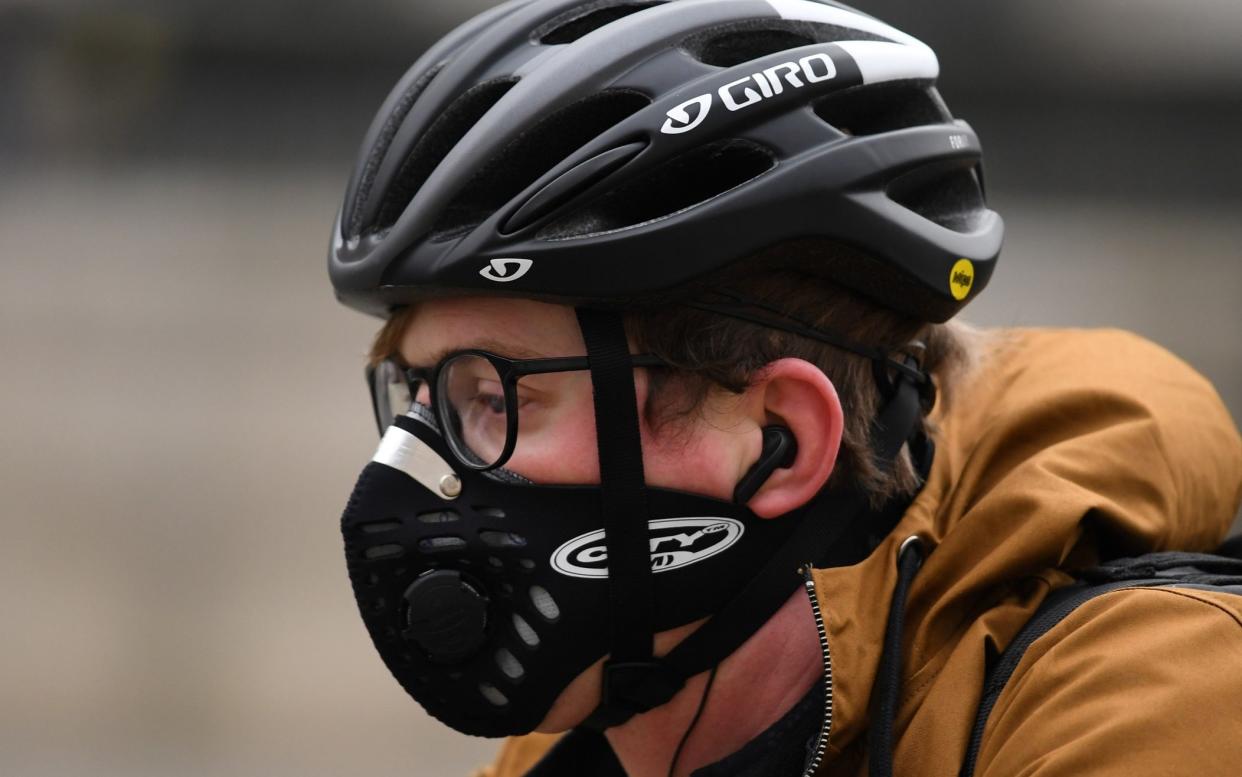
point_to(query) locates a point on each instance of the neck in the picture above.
(754, 688)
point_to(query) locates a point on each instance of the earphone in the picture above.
(779, 450)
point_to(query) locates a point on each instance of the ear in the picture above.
(798, 396)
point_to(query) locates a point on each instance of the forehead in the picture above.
(512, 327)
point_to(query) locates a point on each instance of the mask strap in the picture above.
(826, 534)
(623, 501)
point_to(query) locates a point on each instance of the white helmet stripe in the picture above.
(892, 61)
(809, 11)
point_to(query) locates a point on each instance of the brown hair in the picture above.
(708, 352)
(387, 341)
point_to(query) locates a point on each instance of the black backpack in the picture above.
(1221, 571)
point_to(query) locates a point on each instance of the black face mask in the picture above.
(486, 595)
(486, 605)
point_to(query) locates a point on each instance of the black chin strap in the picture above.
(624, 500)
(832, 531)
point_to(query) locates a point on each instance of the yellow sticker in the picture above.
(962, 279)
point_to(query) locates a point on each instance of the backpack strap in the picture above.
(1154, 570)
(1171, 567)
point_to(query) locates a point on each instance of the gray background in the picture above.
(181, 409)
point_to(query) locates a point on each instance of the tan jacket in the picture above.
(1063, 447)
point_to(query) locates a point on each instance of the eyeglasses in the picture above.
(477, 398)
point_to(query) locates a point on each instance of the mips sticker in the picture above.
(962, 279)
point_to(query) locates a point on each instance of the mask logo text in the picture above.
(674, 543)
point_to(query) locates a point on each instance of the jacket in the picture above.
(1063, 448)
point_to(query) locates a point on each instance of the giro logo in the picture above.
(750, 90)
(679, 119)
(675, 542)
(505, 270)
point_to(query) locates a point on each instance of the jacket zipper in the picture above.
(821, 743)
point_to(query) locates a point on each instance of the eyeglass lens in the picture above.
(473, 408)
(391, 393)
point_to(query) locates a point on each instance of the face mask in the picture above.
(486, 604)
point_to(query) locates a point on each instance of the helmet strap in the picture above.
(623, 504)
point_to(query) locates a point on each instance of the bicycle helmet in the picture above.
(578, 152)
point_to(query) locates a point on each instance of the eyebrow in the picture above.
(483, 344)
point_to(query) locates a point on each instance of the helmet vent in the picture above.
(946, 193)
(688, 180)
(574, 24)
(733, 44)
(532, 153)
(380, 149)
(434, 144)
(872, 109)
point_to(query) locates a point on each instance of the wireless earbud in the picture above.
(779, 450)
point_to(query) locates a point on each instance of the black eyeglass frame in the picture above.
(510, 372)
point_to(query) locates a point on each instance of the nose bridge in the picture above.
(423, 395)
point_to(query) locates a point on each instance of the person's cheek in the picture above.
(696, 462)
(562, 450)
(691, 454)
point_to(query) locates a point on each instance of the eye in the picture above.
(471, 399)
(492, 402)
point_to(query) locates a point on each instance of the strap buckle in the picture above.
(631, 688)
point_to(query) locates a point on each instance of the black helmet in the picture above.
(581, 151)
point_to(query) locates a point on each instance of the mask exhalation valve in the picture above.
(447, 616)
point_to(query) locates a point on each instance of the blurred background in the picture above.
(182, 414)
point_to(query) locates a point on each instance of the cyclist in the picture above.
(682, 453)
